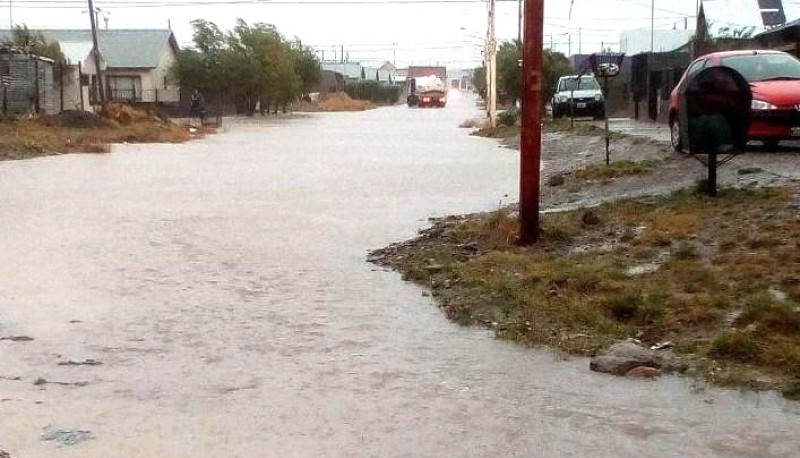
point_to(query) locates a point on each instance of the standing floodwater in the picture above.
(212, 300)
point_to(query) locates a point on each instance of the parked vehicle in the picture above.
(578, 95)
(426, 91)
(774, 78)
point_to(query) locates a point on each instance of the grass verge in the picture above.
(580, 128)
(720, 278)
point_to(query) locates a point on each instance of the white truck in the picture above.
(426, 91)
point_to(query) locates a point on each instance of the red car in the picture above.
(774, 79)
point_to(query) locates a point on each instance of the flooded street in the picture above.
(212, 299)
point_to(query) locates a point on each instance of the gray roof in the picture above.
(350, 70)
(123, 48)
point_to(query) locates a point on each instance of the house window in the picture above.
(124, 88)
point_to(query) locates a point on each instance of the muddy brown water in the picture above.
(221, 289)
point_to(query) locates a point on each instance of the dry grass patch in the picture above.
(84, 132)
(684, 268)
(580, 128)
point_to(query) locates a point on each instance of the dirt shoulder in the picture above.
(84, 132)
(631, 251)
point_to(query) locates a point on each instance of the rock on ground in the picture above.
(621, 357)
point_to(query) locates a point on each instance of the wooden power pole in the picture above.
(96, 53)
(491, 67)
(531, 147)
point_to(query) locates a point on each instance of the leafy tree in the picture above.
(509, 72)
(555, 65)
(307, 66)
(23, 37)
(479, 80)
(251, 63)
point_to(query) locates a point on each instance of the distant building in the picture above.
(350, 70)
(391, 70)
(329, 82)
(638, 41)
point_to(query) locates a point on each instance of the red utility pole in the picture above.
(531, 148)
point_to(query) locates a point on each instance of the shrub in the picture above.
(736, 346)
(508, 117)
(374, 92)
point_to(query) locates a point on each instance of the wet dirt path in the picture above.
(212, 300)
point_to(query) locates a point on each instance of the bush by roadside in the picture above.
(374, 92)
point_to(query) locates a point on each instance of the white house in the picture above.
(135, 63)
(632, 42)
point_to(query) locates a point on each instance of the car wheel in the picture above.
(772, 144)
(675, 135)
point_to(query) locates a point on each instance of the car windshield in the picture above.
(579, 84)
(762, 67)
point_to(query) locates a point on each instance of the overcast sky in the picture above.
(372, 31)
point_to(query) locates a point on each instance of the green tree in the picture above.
(35, 42)
(307, 66)
(202, 67)
(555, 65)
(509, 72)
(251, 64)
(479, 80)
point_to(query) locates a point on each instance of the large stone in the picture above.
(621, 357)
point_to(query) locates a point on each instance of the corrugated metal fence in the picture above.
(34, 85)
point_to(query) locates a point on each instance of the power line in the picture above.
(125, 4)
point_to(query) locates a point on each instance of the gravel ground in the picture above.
(563, 152)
